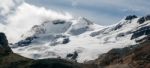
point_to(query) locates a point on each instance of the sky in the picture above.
(103, 12)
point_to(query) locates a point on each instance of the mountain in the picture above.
(76, 38)
(8, 59)
(66, 42)
(135, 56)
(51, 37)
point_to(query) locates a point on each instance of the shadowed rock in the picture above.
(140, 32)
(143, 19)
(65, 41)
(4, 48)
(130, 17)
(73, 56)
(59, 22)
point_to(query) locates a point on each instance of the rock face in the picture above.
(4, 48)
(26, 42)
(140, 32)
(143, 19)
(130, 17)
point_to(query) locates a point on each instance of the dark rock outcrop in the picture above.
(130, 17)
(59, 22)
(142, 31)
(117, 27)
(143, 19)
(66, 40)
(4, 48)
(73, 56)
(26, 41)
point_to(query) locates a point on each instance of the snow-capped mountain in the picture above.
(37, 32)
(79, 39)
(58, 35)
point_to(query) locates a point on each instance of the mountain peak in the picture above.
(60, 37)
(130, 17)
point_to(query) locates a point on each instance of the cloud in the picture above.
(25, 16)
(105, 9)
(7, 5)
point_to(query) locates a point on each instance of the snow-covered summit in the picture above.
(75, 38)
(78, 37)
(62, 26)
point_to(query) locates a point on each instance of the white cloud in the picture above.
(7, 5)
(27, 15)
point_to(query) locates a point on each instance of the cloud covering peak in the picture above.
(24, 16)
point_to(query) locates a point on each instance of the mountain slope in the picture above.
(78, 38)
(55, 36)
(135, 56)
(8, 59)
